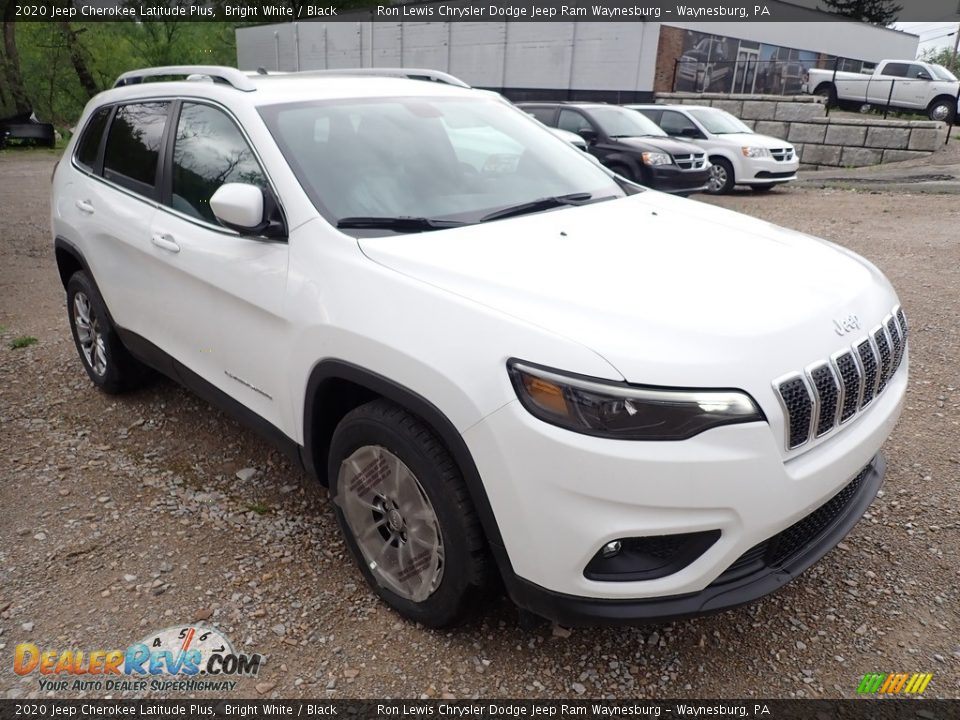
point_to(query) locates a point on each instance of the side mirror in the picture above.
(922, 75)
(247, 209)
(689, 132)
(589, 136)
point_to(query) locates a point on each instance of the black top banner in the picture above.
(270, 11)
(190, 709)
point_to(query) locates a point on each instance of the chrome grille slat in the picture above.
(830, 393)
(827, 389)
(882, 343)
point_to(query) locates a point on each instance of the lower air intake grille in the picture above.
(787, 544)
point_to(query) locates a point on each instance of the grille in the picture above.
(690, 161)
(782, 154)
(830, 393)
(796, 399)
(886, 357)
(787, 544)
(850, 378)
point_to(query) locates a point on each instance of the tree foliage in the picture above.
(876, 12)
(945, 57)
(63, 64)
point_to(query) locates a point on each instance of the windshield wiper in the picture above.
(533, 206)
(400, 223)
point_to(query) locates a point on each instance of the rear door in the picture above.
(886, 81)
(114, 201)
(224, 291)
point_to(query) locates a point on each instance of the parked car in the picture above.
(627, 405)
(27, 128)
(901, 84)
(738, 155)
(578, 142)
(629, 145)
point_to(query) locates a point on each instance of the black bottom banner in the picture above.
(886, 709)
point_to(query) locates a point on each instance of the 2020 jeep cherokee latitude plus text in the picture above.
(500, 357)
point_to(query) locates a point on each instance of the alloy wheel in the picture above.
(718, 178)
(392, 522)
(89, 334)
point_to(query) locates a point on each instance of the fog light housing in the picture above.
(648, 558)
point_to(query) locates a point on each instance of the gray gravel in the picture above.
(126, 515)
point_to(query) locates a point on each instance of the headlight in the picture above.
(655, 158)
(755, 152)
(626, 412)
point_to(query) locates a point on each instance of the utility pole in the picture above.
(956, 46)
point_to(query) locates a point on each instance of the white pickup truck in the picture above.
(903, 84)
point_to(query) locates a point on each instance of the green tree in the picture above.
(875, 12)
(945, 57)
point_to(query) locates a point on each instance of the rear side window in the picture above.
(895, 69)
(209, 150)
(88, 149)
(133, 146)
(654, 115)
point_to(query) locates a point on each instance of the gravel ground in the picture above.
(125, 515)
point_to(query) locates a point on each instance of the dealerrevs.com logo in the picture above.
(894, 683)
(187, 657)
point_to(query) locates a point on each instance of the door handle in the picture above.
(165, 242)
(85, 206)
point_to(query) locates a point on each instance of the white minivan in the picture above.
(738, 155)
(511, 367)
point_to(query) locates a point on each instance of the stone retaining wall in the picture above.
(822, 140)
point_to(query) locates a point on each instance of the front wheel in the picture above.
(406, 516)
(721, 176)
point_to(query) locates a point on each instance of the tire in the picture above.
(828, 92)
(721, 177)
(762, 188)
(406, 515)
(107, 362)
(943, 109)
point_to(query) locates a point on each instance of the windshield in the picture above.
(448, 160)
(718, 122)
(620, 122)
(941, 73)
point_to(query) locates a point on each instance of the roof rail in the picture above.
(410, 73)
(230, 76)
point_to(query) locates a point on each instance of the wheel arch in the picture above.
(69, 260)
(336, 386)
(625, 160)
(951, 101)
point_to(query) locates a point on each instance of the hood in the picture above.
(661, 144)
(669, 291)
(756, 140)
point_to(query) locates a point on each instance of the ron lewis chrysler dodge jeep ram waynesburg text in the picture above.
(502, 358)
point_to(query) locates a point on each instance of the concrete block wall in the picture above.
(824, 140)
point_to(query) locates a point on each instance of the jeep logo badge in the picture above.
(846, 325)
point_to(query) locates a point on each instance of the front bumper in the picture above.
(671, 179)
(763, 171)
(754, 578)
(558, 497)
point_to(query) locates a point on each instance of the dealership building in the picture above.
(611, 61)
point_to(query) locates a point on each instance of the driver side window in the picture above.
(208, 151)
(674, 123)
(572, 121)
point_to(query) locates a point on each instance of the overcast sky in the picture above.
(931, 33)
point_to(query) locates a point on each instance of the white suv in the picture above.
(737, 154)
(502, 359)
